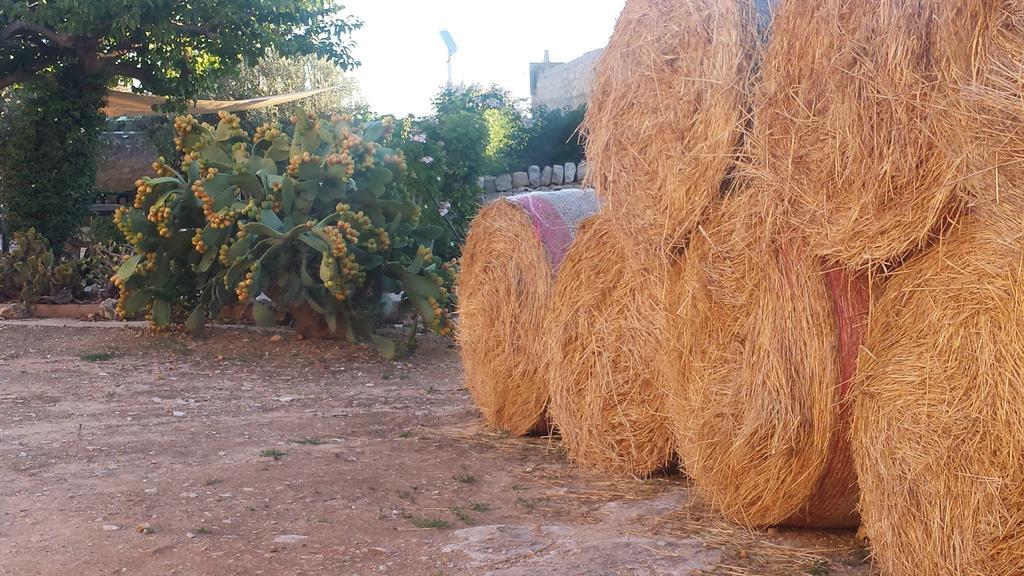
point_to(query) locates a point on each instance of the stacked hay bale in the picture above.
(761, 346)
(938, 423)
(844, 128)
(846, 181)
(603, 337)
(664, 119)
(512, 253)
(663, 123)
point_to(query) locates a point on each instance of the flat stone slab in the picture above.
(598, 549)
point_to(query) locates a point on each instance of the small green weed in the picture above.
(819, 568)
(98, 356)
(273, 453)
(480, 507)
(465, 478)
(462, 515)
(421, 522)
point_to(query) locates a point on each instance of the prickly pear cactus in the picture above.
(30, 272)
(313, 217)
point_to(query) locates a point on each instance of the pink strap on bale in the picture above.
(556, 216)
(834, 502)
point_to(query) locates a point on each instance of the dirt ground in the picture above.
(128, 452)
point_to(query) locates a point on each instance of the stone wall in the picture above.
(125, 157)
(562, 85)
(557, 177)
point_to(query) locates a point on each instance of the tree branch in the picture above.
(129, 71)
(13, 28)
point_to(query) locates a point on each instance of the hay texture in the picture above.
(844, 127)
(764, 343)
(512, 251)
(604, 334)
(939, 420)
(666, 111)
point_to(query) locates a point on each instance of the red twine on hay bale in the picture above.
(834, 501)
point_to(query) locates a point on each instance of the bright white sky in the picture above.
(404, 57)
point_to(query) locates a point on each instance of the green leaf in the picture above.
(264, 315)
(385, 346)
(327, 268)
(381, 176)
(250, 184)
(208, 259)
(421, 286)
(213, 155)
(223, 133)
(310, 141)
(332, 322)
(416, 265)
(288, 195)
(161, 312)
(135, 302)
(374, 131)
(315, 241)
(426, 311)
(269, 218)
(429, 233)
(196, 321)
(239, 248)
(310, 171)
(293, 292)
(262, 230)
(127, 268)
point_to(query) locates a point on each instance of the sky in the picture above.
(403, 56)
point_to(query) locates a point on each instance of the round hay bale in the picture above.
(512, 251)
(764, 345)
(938, 425)
(987, 124)
(604, 333)
(845, 127)
(667, 109)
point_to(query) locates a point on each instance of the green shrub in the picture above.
(551, 138)
(318, 220)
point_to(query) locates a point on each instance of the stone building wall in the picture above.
(562, 85)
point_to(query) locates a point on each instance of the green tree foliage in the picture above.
(274, 73)
(552, 137)
(169, 47)
(66, 52)
(48, 155)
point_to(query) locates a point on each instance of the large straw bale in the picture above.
(604, 334)
(761, 362)
(986, 126)
(844, 127)
(666, 111)
(938, 430)
(512, 252)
